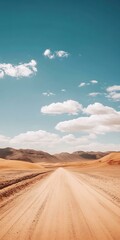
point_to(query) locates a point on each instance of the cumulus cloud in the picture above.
(114, 96)
(75, 125)
(70, 107)
(42, 140)
(94, 81)
(39, 140)
(113, 92)
(76, 141)
(102, 119)
(18, 71)
(113, 88)
(98, 109)
(94, 94)
(49, 54)
(48, 94)
(56, 54)
(93, 124)
(62, 54)
(34, 139)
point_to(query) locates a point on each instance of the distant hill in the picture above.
(27, 155)
(111, 159)
(91, 155)
(33, 156)
(80, 155)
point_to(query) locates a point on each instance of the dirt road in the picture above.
(60, 207)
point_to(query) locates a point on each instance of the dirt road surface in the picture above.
(60, 207)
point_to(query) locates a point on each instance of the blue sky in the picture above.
(48, 46)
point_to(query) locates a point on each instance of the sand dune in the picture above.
(17, 165)
(69, 160)
(111, 159)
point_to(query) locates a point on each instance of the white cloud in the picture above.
(49, 54)
(72, 140)
(98, 109)
(34, 139)
(75, 125)
(62, 54)
(113, 88)
(113, 92)
(102, 119)
(42, 140)
(48, 94)
(39, 140)
(70, 107)
(63, 90)
(93, 124)
(82, 84)
(94, 81)
(115, 96)
(59, 54)
(94, 94)
(87, 143)
(18, 71)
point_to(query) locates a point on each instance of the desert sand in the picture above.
(17, 165)
(77, 202)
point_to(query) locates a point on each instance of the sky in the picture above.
(60, 75)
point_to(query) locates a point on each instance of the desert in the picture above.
(59, 120)
(65, 199)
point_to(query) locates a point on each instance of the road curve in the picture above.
(60, 207)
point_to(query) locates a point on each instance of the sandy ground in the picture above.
(65, 205)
